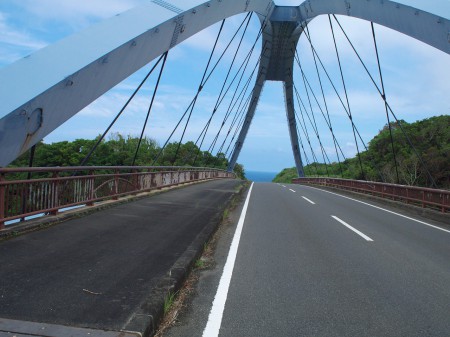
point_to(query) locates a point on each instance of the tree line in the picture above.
(431, 139)
(119, 151)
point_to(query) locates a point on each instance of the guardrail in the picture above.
(55, 188)
(426, 197)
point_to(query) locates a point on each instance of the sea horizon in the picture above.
(260, 176)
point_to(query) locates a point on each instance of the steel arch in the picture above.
(42, 91)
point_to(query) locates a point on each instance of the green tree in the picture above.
(430, 137)
(118, 150)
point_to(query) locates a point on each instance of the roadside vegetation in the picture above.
(431, 138)
(119, 151)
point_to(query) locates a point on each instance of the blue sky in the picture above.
(416, 79)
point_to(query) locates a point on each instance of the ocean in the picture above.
(260, 176)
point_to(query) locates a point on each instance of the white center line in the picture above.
(353, 229)
(383, 209)
(291, 190)
(283, 185)
(215, 316)
(310, 201)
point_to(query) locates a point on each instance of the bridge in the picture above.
(104, 250)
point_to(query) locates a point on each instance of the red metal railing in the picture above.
(426, 197)
(52, 189)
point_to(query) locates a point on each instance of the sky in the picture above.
(415, 77)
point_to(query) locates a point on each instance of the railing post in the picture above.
(2, 201)
(135, 178)
(55, 197)
(116, 184)
(91, 185)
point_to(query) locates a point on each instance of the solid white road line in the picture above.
(291, 190)
(353, 229)
(383, 209)
(215, 316)
(312, 202)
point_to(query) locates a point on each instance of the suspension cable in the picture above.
(238, 129)
(385, 104)
(336, 144)
(340, 100)
(336, 91)
(301, 143)
(313, 122)
(88, 156)
(243, 116)
(242, 96)
(198, 93)
(233, 102)
(240, 113)
(327, 121)
(408, 139)
(346, 97)
(231, 126)
(150, 107)
(239, 123)
(315, 129)
(304, 128)
(220, 97)
(199, 89)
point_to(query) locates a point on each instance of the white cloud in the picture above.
(12, 36)
(75, 9)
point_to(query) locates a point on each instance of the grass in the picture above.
(199, 263)
(168, 301)
(226, 213)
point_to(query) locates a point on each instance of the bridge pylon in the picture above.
(281, 32)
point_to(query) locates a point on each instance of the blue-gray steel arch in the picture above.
(42, 91)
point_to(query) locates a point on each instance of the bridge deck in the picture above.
(95, 271)
(294, 269)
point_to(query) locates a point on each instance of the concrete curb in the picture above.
(151, 310)
(52, 220)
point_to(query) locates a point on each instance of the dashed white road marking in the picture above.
(291, 190)
(352, 228)
(383, 209)
(310, 201)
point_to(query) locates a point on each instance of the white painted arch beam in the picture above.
(63, 78)
(431, 29)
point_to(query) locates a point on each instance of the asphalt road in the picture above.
(312, 263)
(95, 271)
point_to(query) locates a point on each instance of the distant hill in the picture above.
(431, 138)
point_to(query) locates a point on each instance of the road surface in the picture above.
(96, 271)
(310, 262)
